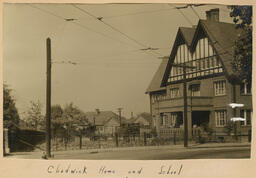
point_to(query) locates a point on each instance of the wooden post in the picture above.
(48, 99)
(80, 141)
(145, 139)
(174, 137)
(185, 107)
(116, 137)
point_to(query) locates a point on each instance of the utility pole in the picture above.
(184, 67)
(120, 111)
(48, 98)
(185, 107)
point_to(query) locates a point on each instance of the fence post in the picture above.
(145, 139)
(80, 141)
(199, 135)
(6, 142)
(116, 137)
(249, 135)
(174, 137)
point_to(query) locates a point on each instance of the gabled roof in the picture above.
(102, 117)
(184, 34)
(188, 34)
(222, 36)
(155, 84)
(144, 115)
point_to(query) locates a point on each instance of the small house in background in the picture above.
(106, 122)
(143, 119)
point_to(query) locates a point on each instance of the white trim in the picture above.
(220, 116)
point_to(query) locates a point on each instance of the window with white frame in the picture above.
(195, 90)
(221, 118)
(220, 87)
(245, 88)
(247, 114)
(174, 92)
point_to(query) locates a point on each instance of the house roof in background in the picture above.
(102, 117)
(144, 115)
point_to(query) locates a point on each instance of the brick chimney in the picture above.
(213, 15)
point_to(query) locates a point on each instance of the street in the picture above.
(161, 153)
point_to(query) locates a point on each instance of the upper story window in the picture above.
(245, 88)
(203, 61)
(174, 92)
(247, 114)
(195, 90)
(221, 118)
(220, 88)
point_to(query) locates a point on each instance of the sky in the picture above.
(111, 68)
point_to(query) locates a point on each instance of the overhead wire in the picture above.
(195, 12)
(113, 28)
(137, 13)
(78, 24)
(89, 29)
(180, 11)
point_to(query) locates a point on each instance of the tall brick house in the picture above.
(208, 49)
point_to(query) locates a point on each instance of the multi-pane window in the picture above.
(245, 88)
(220, 88)
(195, 90)
(221, 118)
(174, 92)
(247, 114)
(203, 61)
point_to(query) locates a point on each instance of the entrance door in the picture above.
(200, 117)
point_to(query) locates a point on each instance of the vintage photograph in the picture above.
(127, 81)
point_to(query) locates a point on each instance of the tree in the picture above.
(72, 113)
(10, 112)
(34, 115)
(56, 118)
(74, 119)
(56, 112)
(242, 61)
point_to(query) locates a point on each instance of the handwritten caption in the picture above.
(104, 170)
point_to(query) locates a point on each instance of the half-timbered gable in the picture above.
(205, 54)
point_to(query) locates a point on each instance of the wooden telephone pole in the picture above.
(120, 111)
(185, 107)
(184, 67)
(48, 98)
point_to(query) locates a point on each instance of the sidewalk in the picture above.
(220, 145)
(37, 154)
